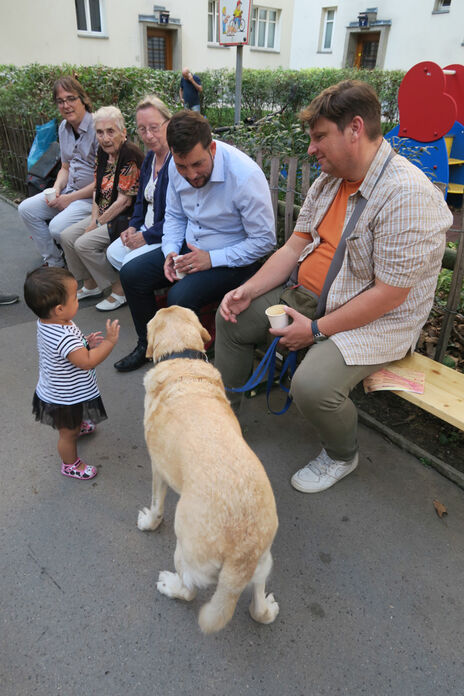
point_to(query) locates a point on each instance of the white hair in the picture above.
(111, 113)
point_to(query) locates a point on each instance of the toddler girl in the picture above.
(66, 396)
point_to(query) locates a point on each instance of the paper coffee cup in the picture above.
(50, 194)
(178, 273)
(278, 318)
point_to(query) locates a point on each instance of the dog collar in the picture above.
(188, 353)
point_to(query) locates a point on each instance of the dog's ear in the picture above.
(150, 337)
(150, 381)
(205, 337)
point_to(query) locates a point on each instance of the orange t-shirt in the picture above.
(314, 268)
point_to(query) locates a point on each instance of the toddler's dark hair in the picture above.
(45, 288)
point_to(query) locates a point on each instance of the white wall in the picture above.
(416, 34)
(197, 52)
(45, 31)
(425, 36)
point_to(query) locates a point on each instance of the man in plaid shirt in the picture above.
(379, 299)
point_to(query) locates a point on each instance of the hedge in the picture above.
(25, 98)
(27, 90)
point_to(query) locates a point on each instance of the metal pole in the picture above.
(238, 84)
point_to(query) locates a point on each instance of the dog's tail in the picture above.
(216, 613)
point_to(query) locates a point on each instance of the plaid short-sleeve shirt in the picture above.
(399, 239)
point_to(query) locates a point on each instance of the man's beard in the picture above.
(204, 178)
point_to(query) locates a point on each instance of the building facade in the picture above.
(284, 33)
(119, 33)
(394, 35)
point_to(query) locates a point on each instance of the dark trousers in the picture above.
(144, 274)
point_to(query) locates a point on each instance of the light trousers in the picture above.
(86, 253)
(46, 224)
(320, 386)
(118, 254)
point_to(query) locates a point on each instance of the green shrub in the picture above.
(25, 100)
(26, 91)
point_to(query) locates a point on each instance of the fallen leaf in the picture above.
(439, 508)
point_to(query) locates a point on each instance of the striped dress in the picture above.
(61, 382)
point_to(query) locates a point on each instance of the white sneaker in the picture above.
(107, 306)
(322, 472)
(85, 292)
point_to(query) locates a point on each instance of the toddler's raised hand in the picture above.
(94, 339)
(112, 331)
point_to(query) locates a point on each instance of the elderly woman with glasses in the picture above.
(146, 225)
(117, 172)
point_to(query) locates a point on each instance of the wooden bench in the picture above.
(443, 394)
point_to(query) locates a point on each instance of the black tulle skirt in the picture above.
(61, 416)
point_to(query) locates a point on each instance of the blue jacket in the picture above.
(155, 232)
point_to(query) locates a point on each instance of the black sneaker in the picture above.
(8, 299)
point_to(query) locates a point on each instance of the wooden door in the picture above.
(159, 49)
(366, 50)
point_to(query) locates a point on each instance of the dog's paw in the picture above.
(148, 520)
(267, 613)
(171, 585)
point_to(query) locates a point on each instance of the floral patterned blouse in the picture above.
(128, 183)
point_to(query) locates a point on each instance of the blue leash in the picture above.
(267, 364)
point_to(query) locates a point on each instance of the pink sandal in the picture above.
(72, 471)
(87, 427)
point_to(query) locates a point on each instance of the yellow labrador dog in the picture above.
(226, 518)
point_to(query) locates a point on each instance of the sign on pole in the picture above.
(234, 30)
(234, 22)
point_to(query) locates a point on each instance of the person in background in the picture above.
(190, 90)
(146, 225)
(117, 174)
(67, 395)
(75, 180)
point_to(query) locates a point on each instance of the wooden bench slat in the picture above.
(444, 389)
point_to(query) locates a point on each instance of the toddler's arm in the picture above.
(87, 359)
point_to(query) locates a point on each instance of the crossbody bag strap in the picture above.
(267, 366)
(339, 255)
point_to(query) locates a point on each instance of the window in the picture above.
(89, 16)
(213, 24)
(442, 5)
(159, 48)
(264, 28)
(327, 26)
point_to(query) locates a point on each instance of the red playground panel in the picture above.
(427, 111)
(431, 130)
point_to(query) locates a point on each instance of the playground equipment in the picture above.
(431, 130)
(431, 134)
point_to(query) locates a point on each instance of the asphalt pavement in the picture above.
(369, 579)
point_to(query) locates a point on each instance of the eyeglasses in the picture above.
(69, 100)
(141, 130)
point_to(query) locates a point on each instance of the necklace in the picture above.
(155, 170)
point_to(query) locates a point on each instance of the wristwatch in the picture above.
(317, 335)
